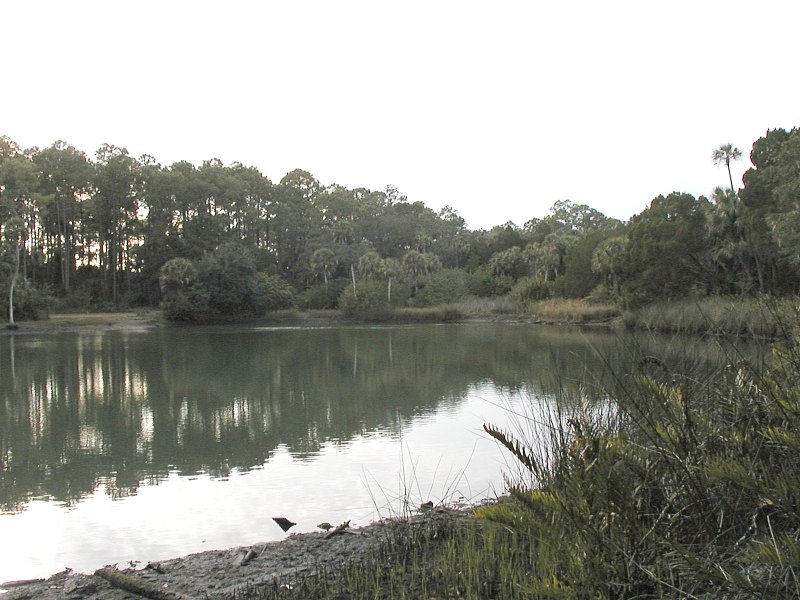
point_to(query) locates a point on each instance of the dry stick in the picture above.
(19, 583)
(138, 585)
(339, 529)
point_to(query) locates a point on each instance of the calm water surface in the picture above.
(121, 446)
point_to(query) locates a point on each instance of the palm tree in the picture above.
(322, 261)
(391, 269)
(725, 154)
(370, 265)
(415, 265)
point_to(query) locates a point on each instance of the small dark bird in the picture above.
(426, 505)
(325, 526)
(284, 523)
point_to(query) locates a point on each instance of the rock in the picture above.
(80, 584)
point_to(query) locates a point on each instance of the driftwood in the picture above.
(137, 585)
(19, 583)
(339, 529)
(247, 557)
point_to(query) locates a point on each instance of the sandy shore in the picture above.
(219, 574)
(128, 321)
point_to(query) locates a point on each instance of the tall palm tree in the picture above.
(725, 154)
(322, 261)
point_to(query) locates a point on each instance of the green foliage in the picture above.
(531, 290)
(184, 298)
(276, 292)
(368, 303)
(30, 302)
(485, 284)
(580, 278)
(442, 287)
(224, 285)
(322, 296)
(717, 315)
(190, 305)
(664, 252)
(685, 487)
(509, 263)
(229, 275)
(127, 217)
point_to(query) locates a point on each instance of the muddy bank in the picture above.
(223, 574)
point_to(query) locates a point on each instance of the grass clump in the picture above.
(715, 315)
(689, 488)
(447, 313)
(570, 310)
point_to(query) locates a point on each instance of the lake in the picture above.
(137, 446)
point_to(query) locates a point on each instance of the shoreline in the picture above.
(227, 573)
(144, 320)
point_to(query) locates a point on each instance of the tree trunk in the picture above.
(730, 178)
(11, 323)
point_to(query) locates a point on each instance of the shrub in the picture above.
(368, 303)
(189, 305)
(275, 291)
(321, 297)
(531, 290)
(30, 302)
(683, 479)
(442, 287)
(484, 284)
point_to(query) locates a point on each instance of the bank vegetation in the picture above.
(220, 242)
(667, 484)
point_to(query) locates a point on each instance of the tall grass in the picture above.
(693, 491)
(714, 315)
(571, 310)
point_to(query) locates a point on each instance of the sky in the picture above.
(497, 109)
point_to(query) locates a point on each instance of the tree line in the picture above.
(217, 240)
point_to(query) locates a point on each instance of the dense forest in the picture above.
(219, 240)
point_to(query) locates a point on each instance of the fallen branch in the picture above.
(338, 530)
(19, 583)
(137, 585)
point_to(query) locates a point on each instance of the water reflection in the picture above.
(116, 409)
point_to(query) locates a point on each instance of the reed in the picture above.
(716, 315)
(571, 310)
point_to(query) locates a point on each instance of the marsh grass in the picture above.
(692, 490)
(487, 307)
(714, 315)
(570, 310)
(446, 313)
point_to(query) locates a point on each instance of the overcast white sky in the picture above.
(495, 108)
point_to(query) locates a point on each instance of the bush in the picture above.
(683, 479)
(442, 287)
(30, 302)
(530, 290)
(229, 275)
(484, 284)
(188, 305)
(276, 292)
(367, 304)
(321, 297)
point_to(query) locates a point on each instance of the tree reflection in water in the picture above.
(123, 409)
